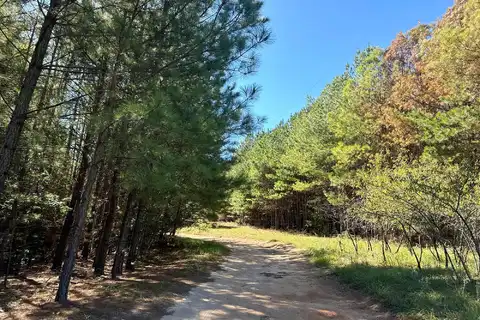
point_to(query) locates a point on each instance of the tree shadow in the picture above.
(139, 298)
(7, 296)
(221, 226)
(408, 291)
(158, 282)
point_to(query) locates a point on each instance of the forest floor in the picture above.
(270, 280)
(283, 282)
(157, 284)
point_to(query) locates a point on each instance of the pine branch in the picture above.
(57, 104)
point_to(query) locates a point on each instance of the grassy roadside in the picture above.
(157, 283)
(396, 283)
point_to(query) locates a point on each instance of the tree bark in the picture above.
(102, 248)
(86, 240)
(117, 268)
(176, 220)
(22, 102)
(132, 252)
(11, 230)
(76, 195)
(78, 223)
(80, 180)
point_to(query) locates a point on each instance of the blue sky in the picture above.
(314, 39)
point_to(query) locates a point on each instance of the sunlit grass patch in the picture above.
(199, 254)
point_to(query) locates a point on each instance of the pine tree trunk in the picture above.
(78, 224)
(11, 230)
(117, 268)
(132, 252)
(102, 248)
(86, 240)
(95, 209)
(76, 195)
(22, 102)
(89, 239)
(101, 205)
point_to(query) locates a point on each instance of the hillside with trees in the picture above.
(389, 150)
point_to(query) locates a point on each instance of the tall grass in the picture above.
(395, 281)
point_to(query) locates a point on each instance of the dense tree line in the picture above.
(390, 149)
(119, 119)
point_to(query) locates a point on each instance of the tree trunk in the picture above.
(78, 223)
(76, 195)
(95, 209)
(117, 268)
(82, 171)
(102, 248)
(132, 252)
(277, 219)
(11, 230)
(86, 240)
(176, 220)
(22, 102)
(412, 248)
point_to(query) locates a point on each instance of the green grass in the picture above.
(194, 254)
(427, 295)
(200, 252)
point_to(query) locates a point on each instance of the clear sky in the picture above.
(314, 39)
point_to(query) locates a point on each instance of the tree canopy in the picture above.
(120, 118)
(389, 148)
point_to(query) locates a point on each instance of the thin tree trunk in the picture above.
(22, 102)
(132, 252)
(463, 262)
(117, 268)
(12, 239)
(354, 241)
(86, 240)
(82, 171)
(176, 220)
(383, 251)
(71, 129)
(78, 223)
(102, 248)
(387, 244)
(42, 101)
(435, 245)
(277, 219)
(369, 243)
(472, 234)
(445, 251)
(411, 248)
(421, 249)
(400, 244)
(76, 196)
(89, 236)
(95, 209)
(101, 193)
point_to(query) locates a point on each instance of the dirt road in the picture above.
(271, 281)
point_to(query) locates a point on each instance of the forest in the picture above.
(119, 121)
(389, 151)
(124, 121)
